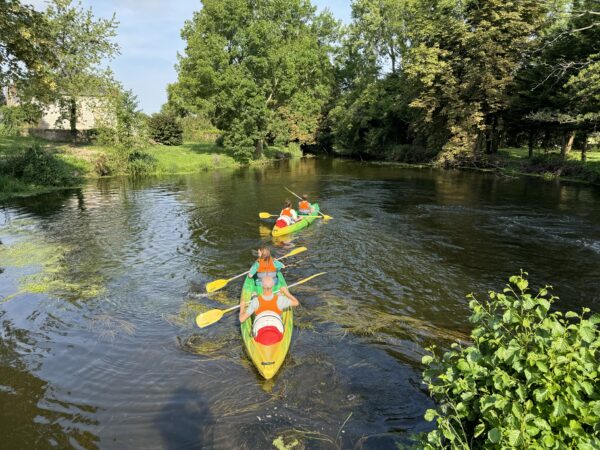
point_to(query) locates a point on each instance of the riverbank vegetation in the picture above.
(449, 84)
(530, 379)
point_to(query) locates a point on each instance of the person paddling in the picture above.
(304, 206)
(287, 216)
(265, 265)
(267, 327)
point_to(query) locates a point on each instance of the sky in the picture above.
(149, 37)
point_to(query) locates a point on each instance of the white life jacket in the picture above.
(287, 219)
(267, 319)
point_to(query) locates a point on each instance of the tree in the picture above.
(560, 87)
(26, 44)
(83, 43)
(465, 56)
(379, 32)
(262, 67)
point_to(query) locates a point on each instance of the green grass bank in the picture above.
(30, 165)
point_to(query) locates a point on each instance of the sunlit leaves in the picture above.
(260, 70)
(529, 381)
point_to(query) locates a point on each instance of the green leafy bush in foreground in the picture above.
(530, 379)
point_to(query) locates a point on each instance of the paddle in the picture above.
(221, 283)
(325, 216)
(266, 215)
(214, 315)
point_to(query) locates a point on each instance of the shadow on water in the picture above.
(32, 414)
(185, 421)
(404, 248)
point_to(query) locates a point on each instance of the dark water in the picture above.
(99, 348)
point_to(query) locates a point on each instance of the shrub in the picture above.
(102, 165)
(197, 128)
(35, 165)
(13, 118)
(165, 129)
(140, 164)
(530, 379)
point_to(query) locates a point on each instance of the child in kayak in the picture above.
(267, 328)
(265, 265)
(287, 216)
(304, 206)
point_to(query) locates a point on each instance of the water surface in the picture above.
(98, 347)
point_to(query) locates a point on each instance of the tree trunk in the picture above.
(584, 148)
(568, 139)
(530, 143)
(73, 118)
(258, 148)
(546, 140)
(492, 136)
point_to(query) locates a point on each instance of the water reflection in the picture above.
(34, 414)
(125, 367)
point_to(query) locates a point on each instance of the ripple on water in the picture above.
(128, 368)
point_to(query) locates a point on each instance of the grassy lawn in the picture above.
(548, 164)
(522, 154)
(190, 157)
(74, 162)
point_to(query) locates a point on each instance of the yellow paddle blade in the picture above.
(264, 230)
(265, 215)
(209, 317)
(216, 285)
(295, 252)
(326, 217)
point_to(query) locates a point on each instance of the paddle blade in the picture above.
(209, 317)
(326, 217)
(296, 251)
(265, 215)
(216, 285)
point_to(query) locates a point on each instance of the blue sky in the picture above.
(149, 38)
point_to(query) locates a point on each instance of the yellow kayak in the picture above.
(266, 358)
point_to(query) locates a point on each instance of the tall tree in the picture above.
(379, 31)
(568, 68)
(465, 56)
(264, 68)
(83, 43)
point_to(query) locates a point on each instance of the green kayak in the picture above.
(298, 225)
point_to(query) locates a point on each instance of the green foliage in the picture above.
(140, 164)
(530, 379)
(83, 43)
(37, 166)
(375, 122)
(13, 118)
(261, 70)
(26, 46)
(197, 128)
(165, 129)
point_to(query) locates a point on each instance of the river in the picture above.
(98, 348)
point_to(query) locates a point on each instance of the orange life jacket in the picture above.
(286, 212)
(304, 207)
(266, 265)
(267, 305)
